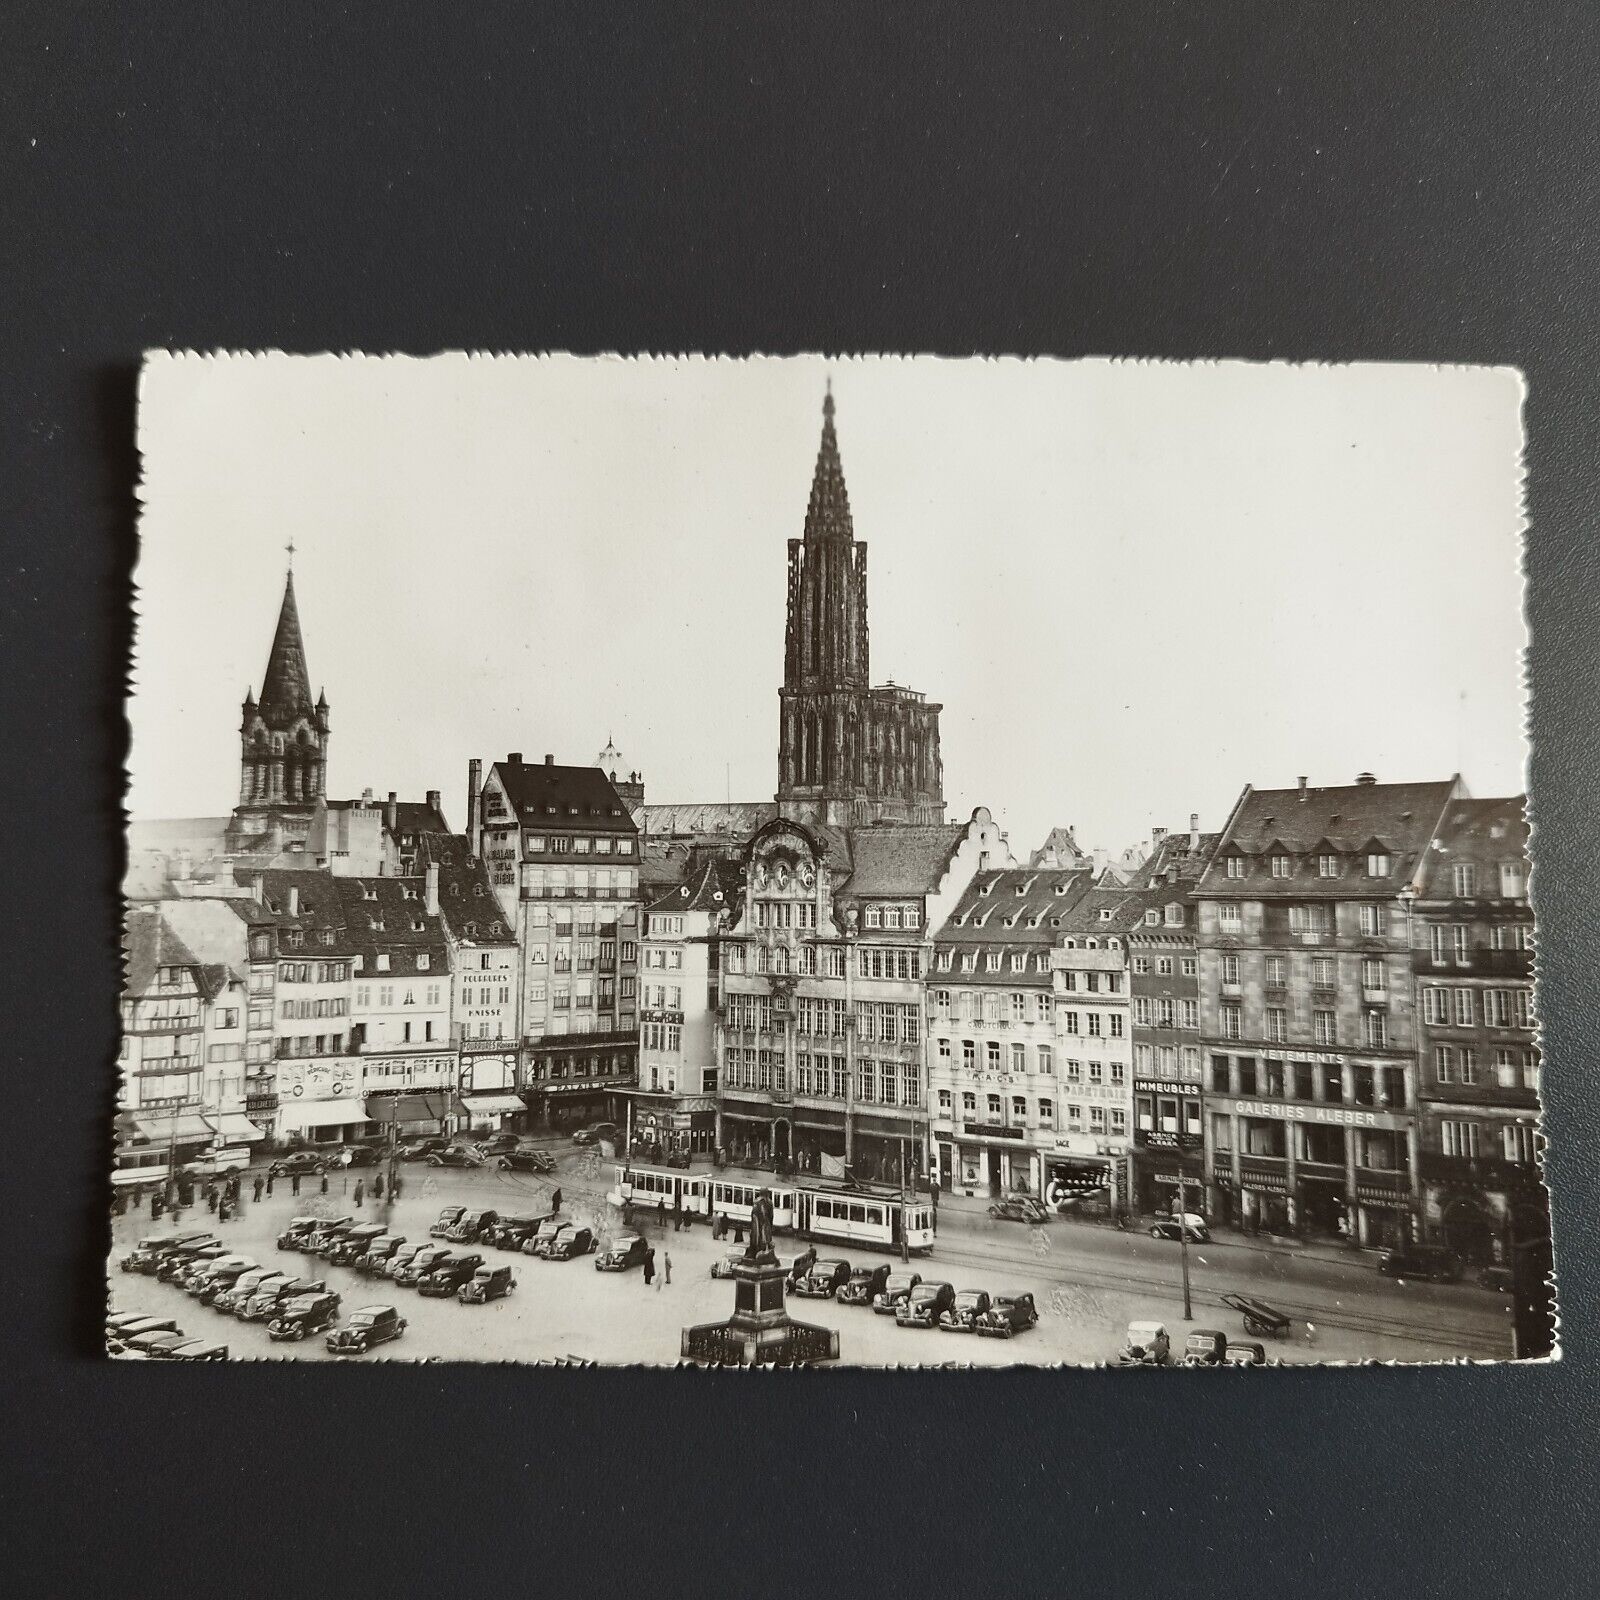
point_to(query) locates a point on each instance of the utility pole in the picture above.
(905, 1206)
(1183, 1240)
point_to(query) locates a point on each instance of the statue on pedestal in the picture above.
(760, 1248)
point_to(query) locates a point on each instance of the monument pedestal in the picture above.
(760, 1333)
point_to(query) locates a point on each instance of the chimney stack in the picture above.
(549, 760)
(1302, 790)
(1364, 778)
(391, 813)
(474, 783)
(294, 901)
(514, 759)
(431, 890)
(433, 800)
(1194, 830)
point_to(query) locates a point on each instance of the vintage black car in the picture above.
(275, 1294)
(1194, 1225)
(418, 1149)
(203, 1272)
(193, 1350)
(570, 1241)
(367, 1326)
(175, 1264)
(356, 1155)
(497, 1144)
(864, 1285)
(326, 1237)
(420, 1265)
(348, 1249)
(302, 1162)
(445, 1221)
(304, 1316)
(445, 1277)
(923, 1307)
(296, 1231)
(625, 1251)
(888, 1300)
(1020, 1208)
(373, 1262)
(542, 1237)
(130, 1325)
(149, 1253)
(965, 1311)
(1431, 1263)
(1008, 1315)
(153, 1346)
(487, 1283)
(470, 1224)
(1146, 1345)
(1205, 1347)
(511, 1233)
(222, 1276)
(526, 1161)
(1247, 1354)
(456, 1156)
(824, 1279)
(593, 1135)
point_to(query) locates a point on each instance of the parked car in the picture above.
(194, 1350)
(226, 1268)
(297, 1231)
(303, 1316)
(824, 1279)
(487, 1283)
(153, 1346)
(497, 1144)
(301, 1162)
(594, 1134)
(403, 1257)
(864, 1286)
(526, 1160)
(326, 1235)
(571, 1241)
(223, 1275)
(1193, 1224)
(420, 1265)
(723, 1266)
(624, 1251)
(470, 1224)
(418, 1149)
(275, 1294)
(895, 1288)
(367, 1326)
(348, 1249)
(150, 1252)
(923, 1307)
(174, 1263)
(119, 1331)
(445, 1277)
(1145, 1345)
(374, 1261)
(356, 1155)
(543, 1237)
(456, 1156)
(237, 1294)
(964, 1311)
(511, 1233)
(1205, 1347)
(1020, 1208)
(1247, 1354)
(1432, 1263)
(445, 1221)
(1008, 1315)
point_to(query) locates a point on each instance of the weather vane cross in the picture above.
(290, 548)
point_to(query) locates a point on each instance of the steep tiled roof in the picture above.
(1104, 911)
(899, 858)
(350, 911)
(149, 943)
(1174, 854)
(286, 688)
(466, 897)
(702, 819)
(1480, 833)
(1023, 905)
(714, 886)
(547, 796)
(1397, 818)
(1060, 846)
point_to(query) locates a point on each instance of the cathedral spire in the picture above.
(286, 688)
(828, 513)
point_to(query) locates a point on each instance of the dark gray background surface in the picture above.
(1380, 180)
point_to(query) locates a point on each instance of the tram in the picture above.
(809, 1209)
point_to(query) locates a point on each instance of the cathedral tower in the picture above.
(283, 742)
(847, 752)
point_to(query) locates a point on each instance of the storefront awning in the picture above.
(184, 1125)
(235, 1128)
(126, 1175)
(492, 1105)
(429, 1109)
(324, 1113)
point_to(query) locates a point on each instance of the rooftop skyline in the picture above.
(1133, 587)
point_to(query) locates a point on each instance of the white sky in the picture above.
(1134, 587)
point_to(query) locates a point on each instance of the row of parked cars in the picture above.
(913, 1302)
(293, 1308)
(1148, 1344)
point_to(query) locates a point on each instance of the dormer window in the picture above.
(1327, 865)
(968, 960)
(988, 888)
(1105, 913)
(417, 925)
(1011, 921)
(424, 961)
(1378, 864)
(1282, 867)
(945, 957)
(1174, 916)
(1019, 961)
(991, 961)
(368, 892)
(410, 894)
(1152, 919)
(1235, 866)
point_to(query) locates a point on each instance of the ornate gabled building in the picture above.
(283, 739)
(848, 753)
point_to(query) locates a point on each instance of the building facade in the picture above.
(561, 850)
(1472, 952)
(848, 752)
(1307, 1008)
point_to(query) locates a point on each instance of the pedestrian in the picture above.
(257, 1186)
(155, 1205)
(394, 1187)
(224, 1210)
(666, 1266)
(294, 1183)
(211, 1197)
(649, 1267)
(555, 1201)
(377, 1187)
(356, 1197)
(677, 1213)
(324, 1182)
(269, 1183)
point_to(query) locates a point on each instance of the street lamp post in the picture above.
(1183, 1239)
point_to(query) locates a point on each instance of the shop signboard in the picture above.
(1338, 1116)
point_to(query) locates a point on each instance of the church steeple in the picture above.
(286, 688)
(828, 513)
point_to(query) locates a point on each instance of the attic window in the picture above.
(472, 928)
(477, 890)
(455, 888)
(417, 925)
(377, 924)
(368, 892)
(410, 894)
(445, 857)
(1011, 921)
(424, 961)
(1152, 919)
(988, 888)
(1061, 888)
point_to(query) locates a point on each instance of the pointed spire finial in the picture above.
(290, 548)
(827, 397)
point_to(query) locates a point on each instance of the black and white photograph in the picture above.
(579, 909)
